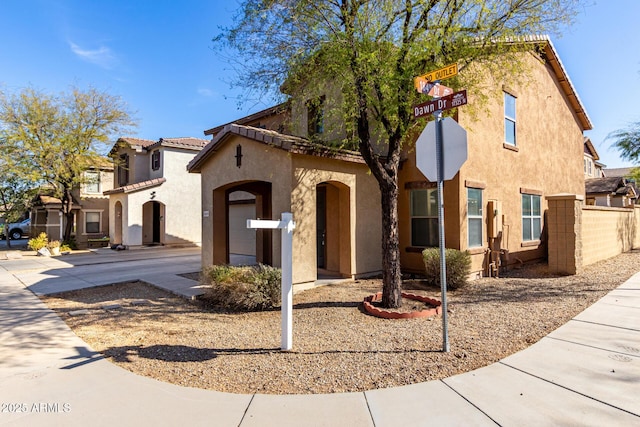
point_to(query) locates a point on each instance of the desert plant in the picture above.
(242, 288)
(38, 242)
(458, 265)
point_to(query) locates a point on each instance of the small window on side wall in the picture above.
(155, 160)
(531, 217)
(474, 216)
(509, 119)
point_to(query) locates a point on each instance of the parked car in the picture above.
(17, 230)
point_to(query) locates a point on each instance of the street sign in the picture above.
(440, 74)
(445, 103)
(454, 149)
(438, 91)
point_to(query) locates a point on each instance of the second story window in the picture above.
(92, 182)
(123, 170)
(155, 160)
(315, 116)
(509, 119)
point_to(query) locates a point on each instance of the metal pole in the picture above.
(286, 341)
(443, 264)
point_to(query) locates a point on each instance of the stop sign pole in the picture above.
(443, 263)
(427, 83)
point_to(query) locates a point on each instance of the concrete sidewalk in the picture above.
(585, 373)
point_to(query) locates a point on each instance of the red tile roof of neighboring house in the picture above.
(132, 188)
(271, 111)
(188, 143)
(292, 144)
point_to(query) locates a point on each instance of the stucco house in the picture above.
(154, 200)
(90, 207)
(528, 146)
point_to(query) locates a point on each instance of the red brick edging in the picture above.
(386, 314)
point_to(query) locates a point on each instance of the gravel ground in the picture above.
(336, 346)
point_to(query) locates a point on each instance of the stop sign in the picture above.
(454, 148)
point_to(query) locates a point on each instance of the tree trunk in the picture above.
(391, 272)
(67, 214)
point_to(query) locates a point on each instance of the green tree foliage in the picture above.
(627, 141)
(367, 52)
(53, 138)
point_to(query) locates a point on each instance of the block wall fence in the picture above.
(579, 235)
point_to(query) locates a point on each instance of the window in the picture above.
(123, 170)
(155, 160)
(474, 216)
(424, 217)
(531, 217)
(509, 119)
(92, 182)
(315, 116)
(92, 222)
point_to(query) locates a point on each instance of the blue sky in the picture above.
(157, 56)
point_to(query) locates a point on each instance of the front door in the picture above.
(321, 225)
(156, 223)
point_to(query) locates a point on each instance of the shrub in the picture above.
(458, 264)
(65, 248)
(39, 242)
(53, 244)
(242, 288)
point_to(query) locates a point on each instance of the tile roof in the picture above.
(609, 185)
(271, 111)
(292, 144)
(618, 171)
(132, 188)
(188, 143)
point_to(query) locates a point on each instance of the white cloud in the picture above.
(102, 57)
(206, 92)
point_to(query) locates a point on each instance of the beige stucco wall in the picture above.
(547, 159)
(607, 232)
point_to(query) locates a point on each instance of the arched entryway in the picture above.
(333, 230)
(233, 204)
(117, 233)
(153, 223)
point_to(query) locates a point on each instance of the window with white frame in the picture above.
(92, 222)
(474, 216)
(424, 217)
(531, 217)
(509, 119)
(92, 182)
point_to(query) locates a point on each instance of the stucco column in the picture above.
(564, 230)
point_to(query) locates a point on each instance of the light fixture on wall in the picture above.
(153, 195)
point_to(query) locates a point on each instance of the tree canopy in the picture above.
(52, 139)
(369, 51)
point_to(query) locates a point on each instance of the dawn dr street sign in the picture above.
(448, 102)
(454, 149)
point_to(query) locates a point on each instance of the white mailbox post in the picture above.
(286, 225)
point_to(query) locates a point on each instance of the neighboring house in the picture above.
(612, 191)
(90, 207)
(155, 201)
(528, 147)
(592, 167)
